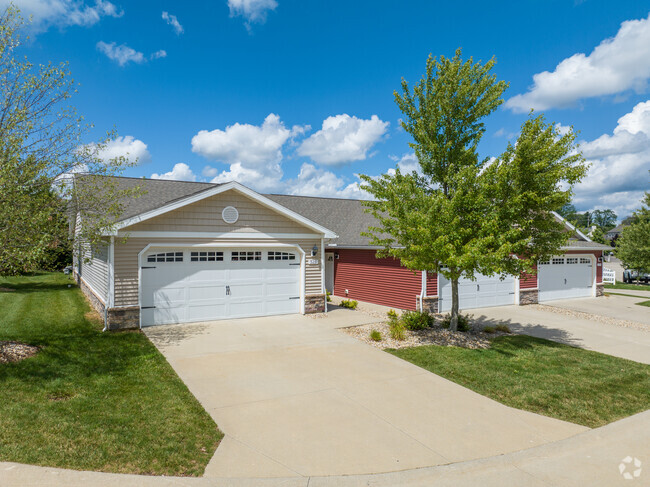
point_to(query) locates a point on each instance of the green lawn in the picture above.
(544, 377)
(634, 287)
(91, 400)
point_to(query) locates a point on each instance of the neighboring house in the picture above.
(615, 232)
(200, 251)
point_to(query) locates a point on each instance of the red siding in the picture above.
(379, 281)
(432, 284)
(528, 280)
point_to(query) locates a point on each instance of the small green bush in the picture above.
(375, 336)
(417, 320)
(397, 330)
(489, 329)
(392, 315)
(502, 328)
(349, 303)
(329, 298)
(463, 322)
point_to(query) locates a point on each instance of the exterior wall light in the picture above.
(314, 251)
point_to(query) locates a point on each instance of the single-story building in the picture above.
(185, 252)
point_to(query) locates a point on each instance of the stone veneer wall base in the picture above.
(429, 304)
(528, 296)
(315, 303)
(600, 289)
(124, 318)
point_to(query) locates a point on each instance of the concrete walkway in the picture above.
(589, 459)
(619, 341)
(295, 397)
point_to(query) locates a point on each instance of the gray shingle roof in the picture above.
(344, 217)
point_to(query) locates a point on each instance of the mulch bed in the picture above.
(16, 351)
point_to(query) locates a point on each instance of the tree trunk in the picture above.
(453, 326)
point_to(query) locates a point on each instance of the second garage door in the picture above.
(565, 278)
(484, 292)
(185, 285)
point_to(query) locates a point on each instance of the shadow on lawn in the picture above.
(35, 287)
(534, 330)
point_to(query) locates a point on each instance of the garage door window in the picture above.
(544, 262)
(558, 260)
(282, 256)
(240, 256)
(572, 260)
(207, 256)
(166, 257)
(585, 260)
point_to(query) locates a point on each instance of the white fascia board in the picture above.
(564, 221)
(264, 201)
(219, 235)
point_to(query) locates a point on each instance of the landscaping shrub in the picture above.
(489, 329)
(397, 330)
(396, 326)
(329, 296)
(349, 303)
(463, 322)
(502, 328)
(375, 336)
(417, 320)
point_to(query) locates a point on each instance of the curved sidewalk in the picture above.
(589, 459)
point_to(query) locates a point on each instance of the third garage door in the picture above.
(565, 278)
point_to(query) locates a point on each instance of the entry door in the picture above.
(484, 292)
(329, 271)
(186, 285)
(565, 278)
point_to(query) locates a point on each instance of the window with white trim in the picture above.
(249, 255)
(557, 260)
(571, 260)
(206, 256)
(585, 260)
(281, 256)
(166, 257)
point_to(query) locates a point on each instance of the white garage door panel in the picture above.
(484, 292)
(185, 291)
(565, 278)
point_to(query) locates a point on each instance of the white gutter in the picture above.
(423, 292)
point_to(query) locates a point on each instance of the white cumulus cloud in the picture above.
(180, 172)
(313, 181)
(63, 12)
(254, 11)
(620, 162)
(343, 139)
(616, 65)
(246, 144)
(132, 149)
(173, 21)
(159, 54)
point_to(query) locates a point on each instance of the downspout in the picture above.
(109, 286)
(423, 292)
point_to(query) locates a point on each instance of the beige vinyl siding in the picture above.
(205, 216)
(93, 268)
(126, 262)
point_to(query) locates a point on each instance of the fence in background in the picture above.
(609, 276)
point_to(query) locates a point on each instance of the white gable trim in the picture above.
(262, 200)
(563, 220)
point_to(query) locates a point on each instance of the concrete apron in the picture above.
(297, 398)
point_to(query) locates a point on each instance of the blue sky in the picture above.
(297, 97)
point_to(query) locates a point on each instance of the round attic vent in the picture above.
(230, 214)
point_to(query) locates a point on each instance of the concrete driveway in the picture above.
(586, 323)
(296, 397)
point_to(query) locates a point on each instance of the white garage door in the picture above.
(185, 285)
(484, 292)
(565, 278)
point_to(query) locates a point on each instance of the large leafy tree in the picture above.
(633, 246)
(41, 148)
(461, 215)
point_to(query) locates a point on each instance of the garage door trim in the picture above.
(230, 244)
